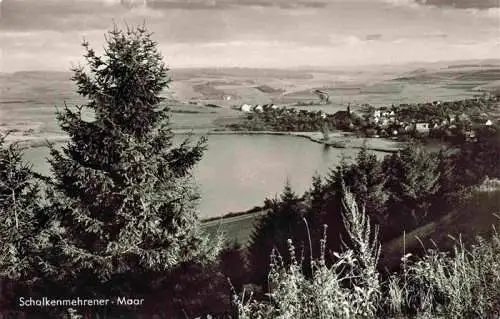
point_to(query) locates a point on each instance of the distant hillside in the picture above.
(418, 71)
(41, 74)
(186, 74)
(481, 75)
(486, 65)
(490, 87)
(267, 89)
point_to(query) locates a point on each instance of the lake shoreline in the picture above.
(252, 140)
(335, 139)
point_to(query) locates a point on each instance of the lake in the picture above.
(239, 171)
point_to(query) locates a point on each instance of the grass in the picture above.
(473, 218)
(464, 284)
(236, 228)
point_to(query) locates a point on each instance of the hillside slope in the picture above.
(474, 218)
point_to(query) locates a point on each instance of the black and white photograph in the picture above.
(249, 159)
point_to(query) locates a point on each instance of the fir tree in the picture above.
(484, 154)
(334, 183)
(19, 208)
(282, 222)
(412, 179)
(19, 203)
(451, 192)
(367, 182)
(124, 207)
(316, 203)
(233, 265)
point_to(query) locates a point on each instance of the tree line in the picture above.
(290, 119)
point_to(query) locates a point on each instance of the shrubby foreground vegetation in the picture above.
(118, 218)
(465, 284)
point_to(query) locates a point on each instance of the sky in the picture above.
(46, 34)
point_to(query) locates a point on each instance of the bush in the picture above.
(465, 284)
(347, 288)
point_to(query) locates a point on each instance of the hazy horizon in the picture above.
(277, 34)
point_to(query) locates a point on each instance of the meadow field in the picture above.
(28, 100)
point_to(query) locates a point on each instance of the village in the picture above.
(438, 120)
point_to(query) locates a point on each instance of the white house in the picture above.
(323, 115)
(488, 123)
(274, 106)
(259, 108)
(247, 108)
(422, 127)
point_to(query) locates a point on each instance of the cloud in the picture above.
(285, 4)
(372, 37)
(188, 5)
(489, 13)
(245, 32)
(25, 15)
(463, 4)
(435, 35)
(403, 3)
(227, 4)
(457, 4)
(282, 54)
(350, 40)
(56, 15)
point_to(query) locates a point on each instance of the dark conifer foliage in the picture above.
(19, 203)
(19, 207)
(284, 221)
(123, 203)
(316, 202)
(365, 179)
(484, 154)
(233, 265)
(412, 180)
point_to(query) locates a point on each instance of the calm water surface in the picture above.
(239, 171)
